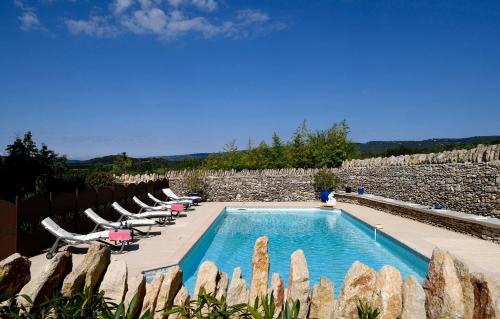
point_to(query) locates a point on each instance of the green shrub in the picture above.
(325, 179)
(207, 306)
(98, 180)
(87, 304)
(196, 183)
(366, 311)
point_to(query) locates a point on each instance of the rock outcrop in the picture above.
(298, 283)
(260, 270)
(137, 290)
(181, 299)
(237, 292)
(207, 278)
(49, 280)
(359, 284)
(172, 282)
(413, 299)
(277, 288)
(14, 274)
(486, 296)
(322, 299)
(89, 272)
(114, 283)
(388, 297)
(222, 284)
(152, 291)
(443, 289)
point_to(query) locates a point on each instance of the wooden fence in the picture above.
(20, 228)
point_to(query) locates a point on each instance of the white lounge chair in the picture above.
(186, 203)
(171, 195)
(164, 215)
(145, 207)
(101, 223)
(64, 236)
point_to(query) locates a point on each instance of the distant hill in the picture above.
(381, 146)
(366, 149)
(109, 159)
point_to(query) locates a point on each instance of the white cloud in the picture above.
(171, 19)
(206, 5)
(252, 16)
(28, 19)
(119, 6)
(146, 21)
(98, 26)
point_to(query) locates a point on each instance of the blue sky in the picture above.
(159, 77)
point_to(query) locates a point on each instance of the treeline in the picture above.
(28, 169)
(405, 150)
(306, 149)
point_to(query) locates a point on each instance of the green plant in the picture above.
(207, 306)
(366, 311)
(325, 179)
(266, 309)
(98, 180)
(86, 304)
(196, 183)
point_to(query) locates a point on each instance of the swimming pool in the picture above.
(331, 240)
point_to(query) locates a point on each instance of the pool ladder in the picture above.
(377, 226)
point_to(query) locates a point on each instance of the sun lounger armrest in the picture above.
(108, 225)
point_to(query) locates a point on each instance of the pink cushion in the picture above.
(177, 208)
(121, 235)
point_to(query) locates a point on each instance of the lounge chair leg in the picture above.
(53, 249)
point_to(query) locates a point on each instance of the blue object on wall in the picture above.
(324, 195)
(361, 190)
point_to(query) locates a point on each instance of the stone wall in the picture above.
(462, 180)
(450, 290)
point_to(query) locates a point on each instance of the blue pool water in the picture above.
(331, 241)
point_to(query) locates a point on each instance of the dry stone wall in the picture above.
(463, 180)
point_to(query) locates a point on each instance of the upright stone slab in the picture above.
(222, 284)
(277, 288)
(465, 281)
(443, 290)
(50, 279)
(359, 284)
(181, 299)
(298, 283)
(89, 272)
(172, 282)
(486, 296)
(114, 283)
(152, 292)
(260, 270)
(413, 299)
(238, 292)
(388, 296)
(322, 299)
(207, 278)
(137, 290)
(14, 274)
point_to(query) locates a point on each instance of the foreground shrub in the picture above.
(325, 179)
(366, 311)
(207, 306)
(98, 180)
(84, 305)
(196, 183)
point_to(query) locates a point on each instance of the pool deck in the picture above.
(174, 241)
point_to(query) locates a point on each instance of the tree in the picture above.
(277, 159)
(27, 169)
(122, 164)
